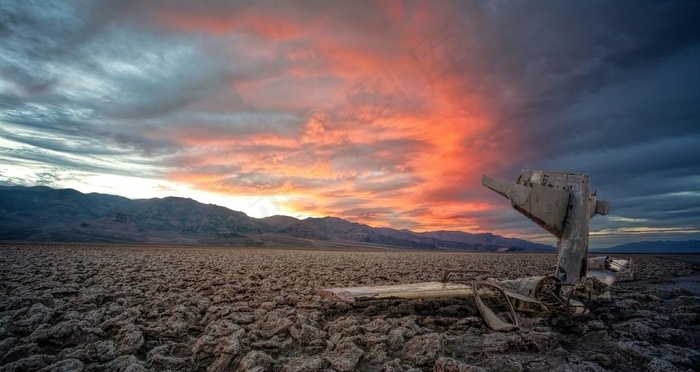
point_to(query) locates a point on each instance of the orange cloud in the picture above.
(386, 137)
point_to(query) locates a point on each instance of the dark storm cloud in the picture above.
(649, 104)
(562, 52)
(605, 88)
(573, 75)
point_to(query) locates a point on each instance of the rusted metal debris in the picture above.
(562, 204)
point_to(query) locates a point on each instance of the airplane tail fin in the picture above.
(546, 206)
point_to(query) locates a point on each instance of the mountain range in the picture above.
(43, 214)
(655, 247)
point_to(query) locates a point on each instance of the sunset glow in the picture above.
(384, 113)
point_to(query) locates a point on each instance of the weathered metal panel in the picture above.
(572, 246)
(542, 204)
(560, 202)
(405, 291)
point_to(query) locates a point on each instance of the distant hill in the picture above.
(43, 214)
(487, 239)
(279, 221)
(689, 246)
(332, 228)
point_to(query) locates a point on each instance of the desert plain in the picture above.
(142, 308)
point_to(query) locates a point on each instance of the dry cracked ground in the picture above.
(127, 308)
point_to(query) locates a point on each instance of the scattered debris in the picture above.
(562, 204)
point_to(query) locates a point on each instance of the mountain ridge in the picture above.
(44, 214)
(654, 247)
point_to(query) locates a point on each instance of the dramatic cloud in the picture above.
(386, 113)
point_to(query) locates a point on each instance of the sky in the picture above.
(386, 113)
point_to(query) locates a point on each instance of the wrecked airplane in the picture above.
(562, 204)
